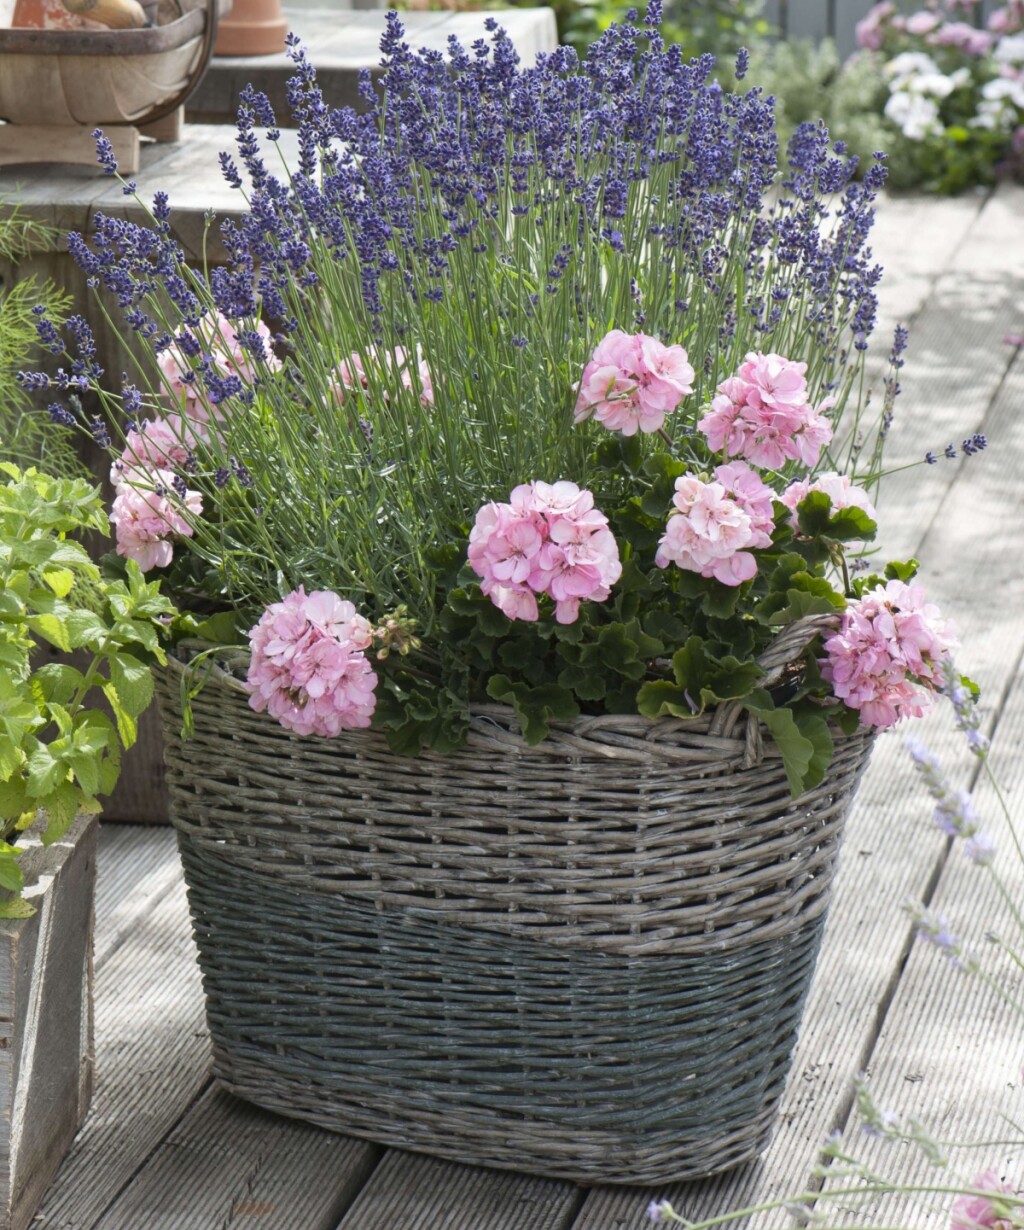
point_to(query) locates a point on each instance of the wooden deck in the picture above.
(165, 1150)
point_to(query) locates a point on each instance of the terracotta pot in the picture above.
(253, 28)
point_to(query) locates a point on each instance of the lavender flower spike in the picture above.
(965, 707)
(932, 927)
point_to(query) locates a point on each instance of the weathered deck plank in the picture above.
(135, 870)
(955, 364)
(408, 1191)
(959, 1069)
(151, 1062)
(231, 1165)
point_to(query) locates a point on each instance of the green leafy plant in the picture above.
(25, 436)
(58, 752)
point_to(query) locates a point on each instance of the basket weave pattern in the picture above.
(586, 959)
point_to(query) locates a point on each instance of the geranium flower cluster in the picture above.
(309, 668)
(151, 494)
(985, 1212)
(633, 382)
(763, 415)
(887, 657)
(715, 524)
(148, 511)
(351, 374)
(225, 363)
(549, 539)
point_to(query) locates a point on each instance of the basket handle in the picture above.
(783, 650)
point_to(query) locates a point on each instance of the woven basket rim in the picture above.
(719, 729)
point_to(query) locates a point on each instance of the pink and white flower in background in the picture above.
(982, 1212)
(309, 668)
(870, 29)
(716, 524)
(763, 414)
(633, 382)
(886, 658)
(549, 539)
(842, 493)
(962, 36)
(227, 354)
(147, 517)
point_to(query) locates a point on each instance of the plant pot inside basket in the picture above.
(586, 959)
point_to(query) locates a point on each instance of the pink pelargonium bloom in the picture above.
(982, 1212)
(714, 525)
(351, 374)
(549, 539)
(633, 382)
(886, 658)
(308, 667)
(146, 517)
(840, 491)
(229, 355)
(780, 383)
(504, 543)
(762, 414)
(156, 444)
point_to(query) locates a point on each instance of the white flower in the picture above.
(1010, 50)
(994, 115)
(1004, 89)
(908, 64)
(914, 115)
(935, 85)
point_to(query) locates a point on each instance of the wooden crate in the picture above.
(46, 1024)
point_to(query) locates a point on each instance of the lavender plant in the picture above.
(493, 276)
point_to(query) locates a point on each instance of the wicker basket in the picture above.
(585, 959)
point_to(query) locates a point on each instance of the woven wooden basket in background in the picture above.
(585, 959)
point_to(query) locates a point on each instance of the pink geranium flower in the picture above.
(840, 491)
(633, 382)
(886, 658)
(715, 524)
(762, 414)
(308, 668)
(549, 539)
(351, 374)
(156, 444)
(982, 1212)
(183, 380)
(147, 517)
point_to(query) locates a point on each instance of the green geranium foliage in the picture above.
(57, 752)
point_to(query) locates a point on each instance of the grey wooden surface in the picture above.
(340, 42)
(817, 19)
(164, 1150)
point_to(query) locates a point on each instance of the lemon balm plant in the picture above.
(558, 408)
(58, 750)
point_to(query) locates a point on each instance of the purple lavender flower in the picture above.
(965, 708)
(954, 809)
(105, 155)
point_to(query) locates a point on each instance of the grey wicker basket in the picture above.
(586, 959)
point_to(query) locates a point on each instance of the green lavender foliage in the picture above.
(25, 432)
